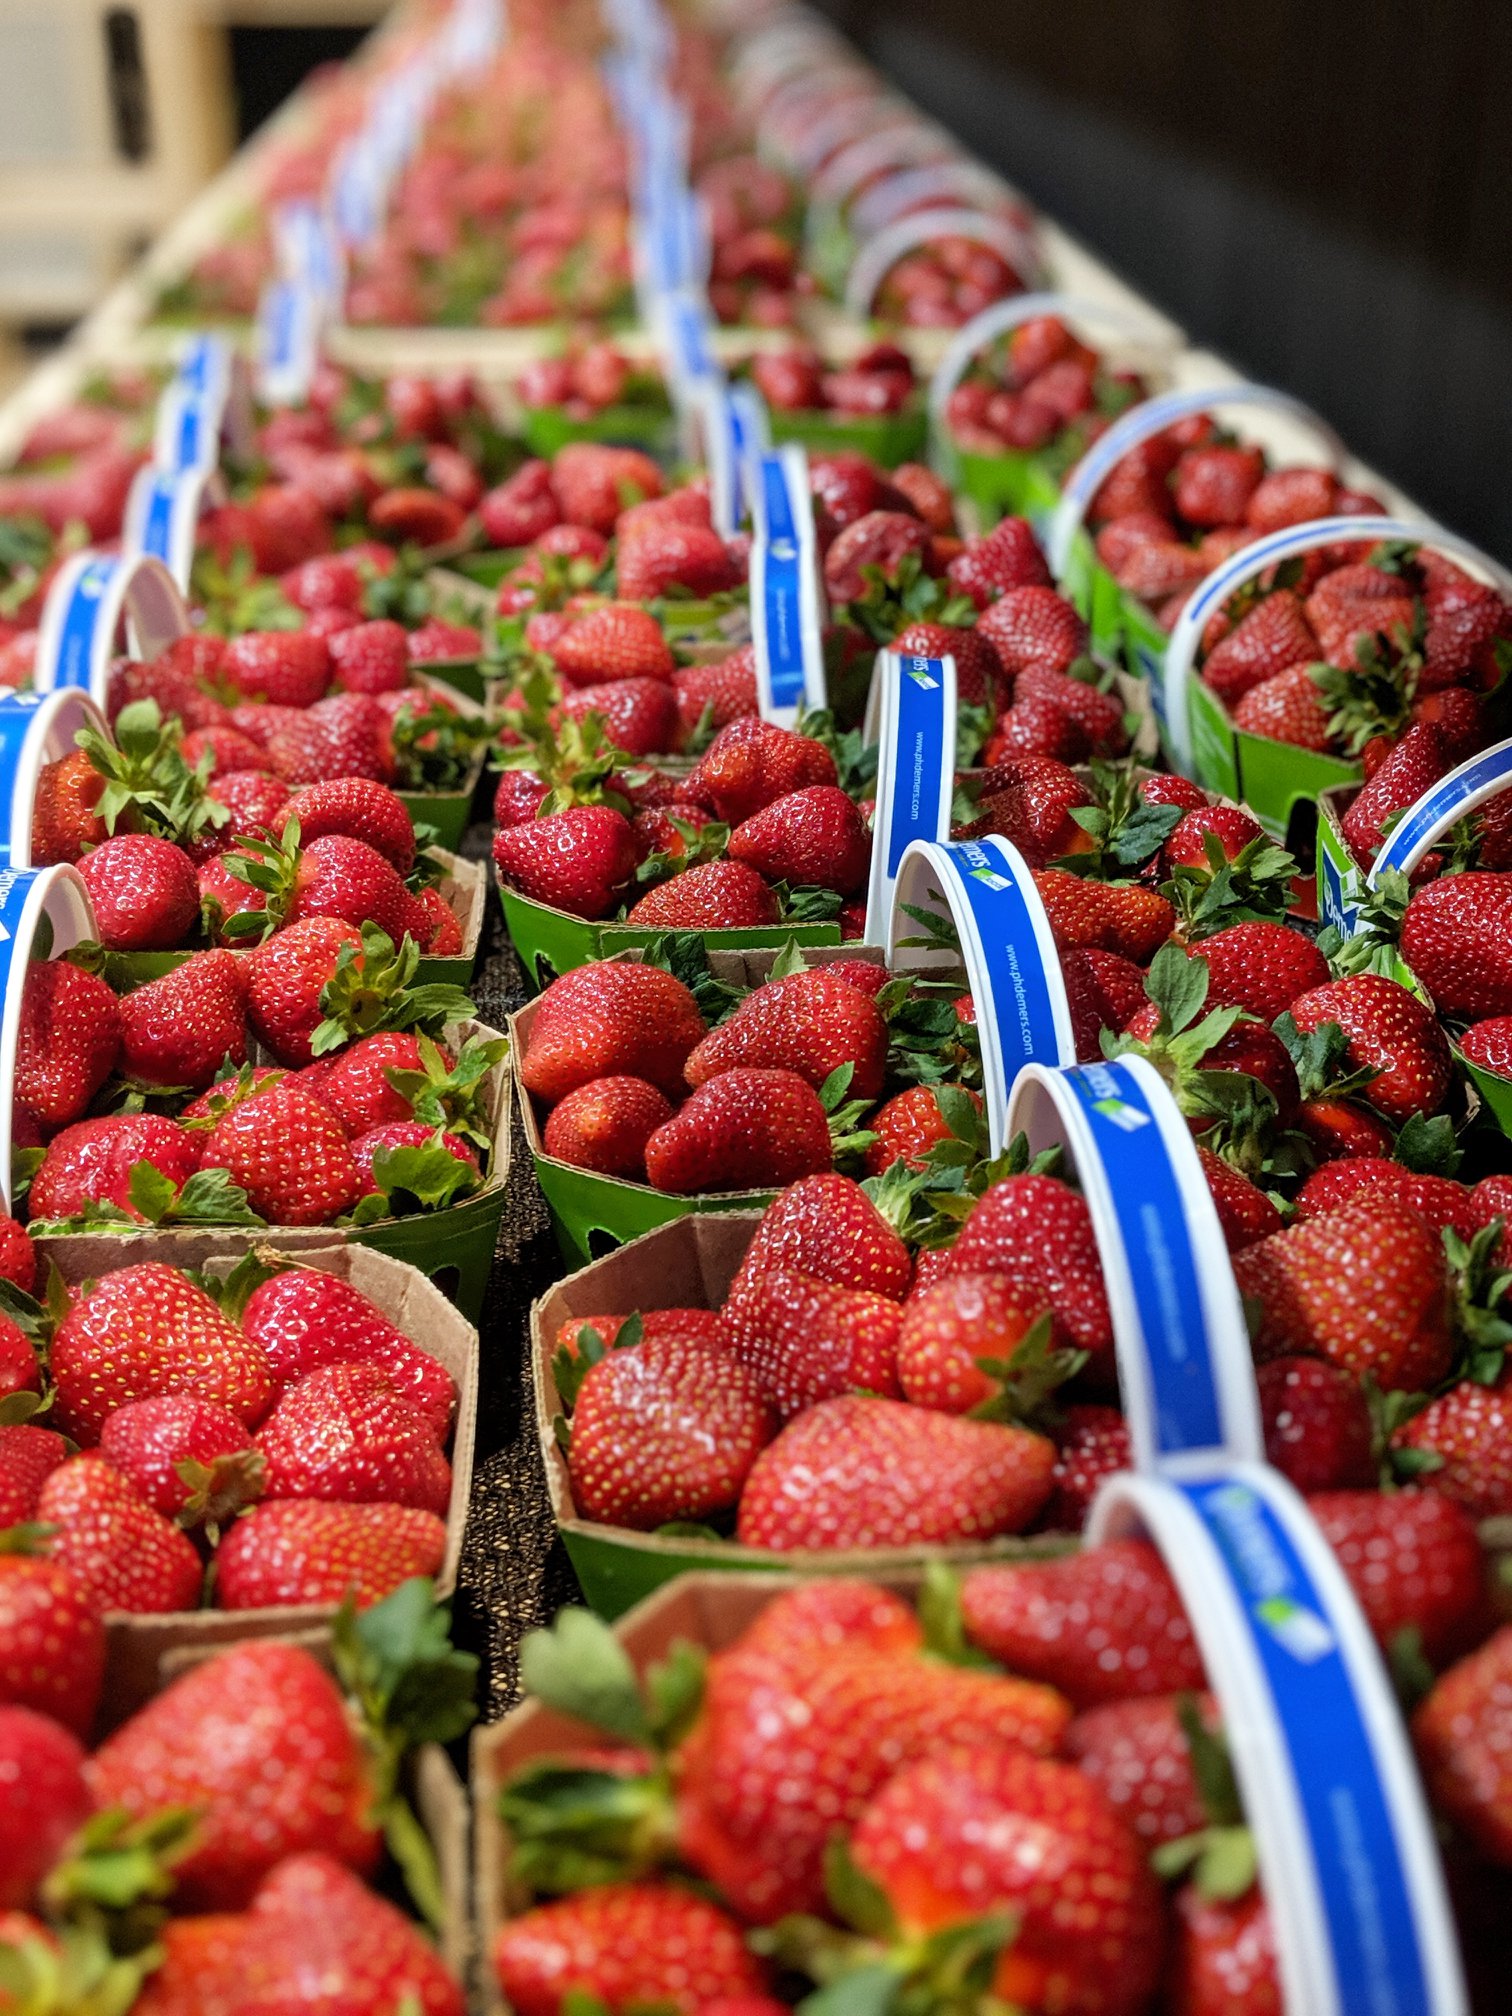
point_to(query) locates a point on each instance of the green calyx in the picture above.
(374, 988)
(149, 787)
(1254, 887)
(1220, 1857)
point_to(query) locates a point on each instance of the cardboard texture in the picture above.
(689, 1264)
(453, 1247)
(139, 1644)
(591, 1213)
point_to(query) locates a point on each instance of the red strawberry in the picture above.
(305, 1319)
(616, 1018)
(594, 483)
(1390, 1032)
(348, 1432)
(1461, 1732)
(186, 1457)
(370, 658)
(605, 1125)
(881, 541)
(1229, 825)
(1271, 638)
(257, 1741)
(1033, 626)
(146, 1330)
(970, 1831)
(227, 749)
(361, 809)
(578, 860)
(639, 716)
(805, 1340)
(1213, 485)
(1223, 1956)
(908, 1126)
(977, 664)
(1099, 715)
(415, 516)
(52, 1641)
(312, 1919)
(667, 553)
(330, 581)
(340, 877)
(200, 1973)
(1489, 1044)
(1340, 1127)
(1290, 497)
(1288, 707)
(347, 735)
(745, 1129)
(1354, 603)
(665, 1429)
(951, 1328)
(185, 1028)
(122, 1554)
(814, 838)
(878, 1473)
(1467, 1434)
(1029, 800)
(43, 1799)
(287, 975)
(289, 1152)
(68, 1040)
(1088, 915)
(828, 1228)
(144, 890)
(522, 508)
(290, 668)
(811, 1023)
(28, 1457)
(713, 896)
(1137, 1752)
(753, 762)
(356, 1083)
(1100, 1626)
(1417, 762)
(617, 641)
(624, 1944)
(92, 1161)
(1457, 938)
(1439, 1199)
(64, 820)
(1092, 1443)
(1260, 967)
(712, 696)
(315, 1551)
(1414, 1562)
(1037, 1233)
(1244, 1211)
(1317, 1425)
(1008, 557)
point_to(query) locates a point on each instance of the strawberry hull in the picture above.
(689, 1264)
(140, 1646)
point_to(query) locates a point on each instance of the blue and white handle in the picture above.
(290, 318)
(911, 716)
(718, 430)
(90, 597)
(1013, 969)
(1184, 1362)
(162, 516)
(1250, 561)
(195, 406)
(787, 590)
(1346, 1850)
(1443, 805)
(35, 729)
(880, 254)
(27, 896)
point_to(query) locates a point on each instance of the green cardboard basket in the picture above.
(886, 438)
(1014, 484)
(646, 424)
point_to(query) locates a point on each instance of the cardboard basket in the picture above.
(139, 1644)
(644, 424)
(453, 1248)
(1013, 484)
(689, 1264)
(885, 438)
(591, 1214)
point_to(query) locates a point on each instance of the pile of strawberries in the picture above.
(587, 379)
(879, 380)
(217, 1850)
(274, 1428)
(1050, 395)
(1027, 1781)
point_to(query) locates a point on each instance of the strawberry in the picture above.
(1033, 626)
(329, 581)
(1290, 497)
(227, 750)
(1457, 938)
(954, 1331)
(1414, 1562)
(605, 1125)
(200, 1973)
(434, 925)
(1461, 1733)
(805, 1340)
(304, 1319)
(753, 762)
(1489, 1045)
(288, 1152)
(1036, 1232)
(1033, 1616)
(815, 837)
(1465, 621)
(1098, 714)
(662, 1430)
(348, 1432)
(68, 1040)
(638, 716)
(93, 1161)
(1008, 557)
(1138, 1753)
(1337, 1128)
(360, 809)
(1106, 916)
(1029, 799)
(1416, 763)
(877, 543)
(1390, 1032)
(185, 1457)
(617, 641)
(65, 822)
(1244, 1211)
(1261, 967)
(340, 877)
(412, 515)
(1229, 825)
(1091, 1443)
(1223, 1956)
(146, 1330)
(1287, 707)
(1317, 1425)
(520, 509)
(745, 1129)
(578, 860)
(978, 667)
(121, 1553)
(1461, 1445)
(828, 1228)
(289, 668)
(28, 1457)
(287, 976)
(615, 1018)
(257, 1740)
(370, 657)
(1037, 726)
(1212, 485)
(43, 1799)
(712, 696)
(971, 1831)
(52, 1641)
(809, 1022)
(311, 1551)
(357, 1083)
(833, 1614)
(713, 896)
(1161, 571)
(312, 1920)
(909, 1125)
(1439, 1199)
(877, 1473)
(187, 1027)
(625, 1944)
(594, 483)
(394, 1134)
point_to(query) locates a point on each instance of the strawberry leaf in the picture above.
(579, 1667)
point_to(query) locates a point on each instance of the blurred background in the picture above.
(1320, 192)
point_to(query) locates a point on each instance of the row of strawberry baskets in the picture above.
(1030, 1396)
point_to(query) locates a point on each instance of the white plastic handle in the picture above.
(1348, 1861)
(1441, 806)
(907, 146)
(787, 586)
(1184, 1362)
(958, 180)
(1008, 948)
(911, 716)
(291, 318)
(1149, 418)
(27, 895)
(35, 728)
(1244, 566)
(879, 255)
(85, 606)
(163, 509)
